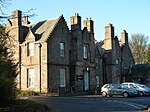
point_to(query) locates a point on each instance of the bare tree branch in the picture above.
(4, 4)
(28, 13)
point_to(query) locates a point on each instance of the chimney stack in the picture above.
(89, 24)
(17, 18)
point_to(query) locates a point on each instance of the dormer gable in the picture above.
(30, 36)
(43, 29)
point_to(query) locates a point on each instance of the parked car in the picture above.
(143, 89)
(117, 89)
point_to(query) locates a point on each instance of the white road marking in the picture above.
(135, 105)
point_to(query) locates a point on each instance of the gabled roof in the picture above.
(43, 29)
(30, 33)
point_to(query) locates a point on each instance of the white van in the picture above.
(143, 89)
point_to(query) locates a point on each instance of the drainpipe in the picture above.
(40, 66)
(20, 67)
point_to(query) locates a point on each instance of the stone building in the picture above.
(42, 50)
(99, 65)
(51, 58)
(118, 58)
(82, 54)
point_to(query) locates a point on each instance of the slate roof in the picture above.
(99, 48)
(43, 29)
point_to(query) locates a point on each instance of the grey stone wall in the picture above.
(55, 61)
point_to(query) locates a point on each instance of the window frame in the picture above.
(97, 63)
(117, 61)
(62, 49)
(31, 48)
(85, 51)
(62, 79)
(97, 81)
(30, 77)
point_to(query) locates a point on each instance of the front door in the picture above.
(86, 80)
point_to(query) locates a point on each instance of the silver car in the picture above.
(117, 89)
(143, 89)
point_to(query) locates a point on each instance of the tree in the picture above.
(148, 54)
(138, 46)
(8, 71)
(3, 4)
(8, 67)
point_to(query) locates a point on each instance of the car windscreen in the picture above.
(123, 86)
(143, 86)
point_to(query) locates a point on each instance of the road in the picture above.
(94, 103)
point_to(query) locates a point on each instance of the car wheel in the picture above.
(110, 95)
(141, 93)
(125, 94)
(104, 94)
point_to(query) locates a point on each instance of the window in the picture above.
(62, 49)
(132, 86)
(85, 51)
(86, 80)
(97, 81)
(96, 62)
(30, 77)
(117, 61)
(62, 78)
(31, 49)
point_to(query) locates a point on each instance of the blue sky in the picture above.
(130, 15)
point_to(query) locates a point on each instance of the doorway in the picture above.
(86, 80)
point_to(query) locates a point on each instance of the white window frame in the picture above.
(62, 77)
(31, 49)
(30, 77)
(62, 49)
(85, 51)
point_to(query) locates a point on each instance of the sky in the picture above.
(130, 15)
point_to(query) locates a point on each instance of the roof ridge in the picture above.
(41, 21)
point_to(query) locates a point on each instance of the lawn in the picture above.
(21, 105)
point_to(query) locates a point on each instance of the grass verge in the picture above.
(21, 105)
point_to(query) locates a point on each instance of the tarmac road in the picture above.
(94, 103)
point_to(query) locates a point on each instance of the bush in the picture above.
(7, 89)
(28, 93)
